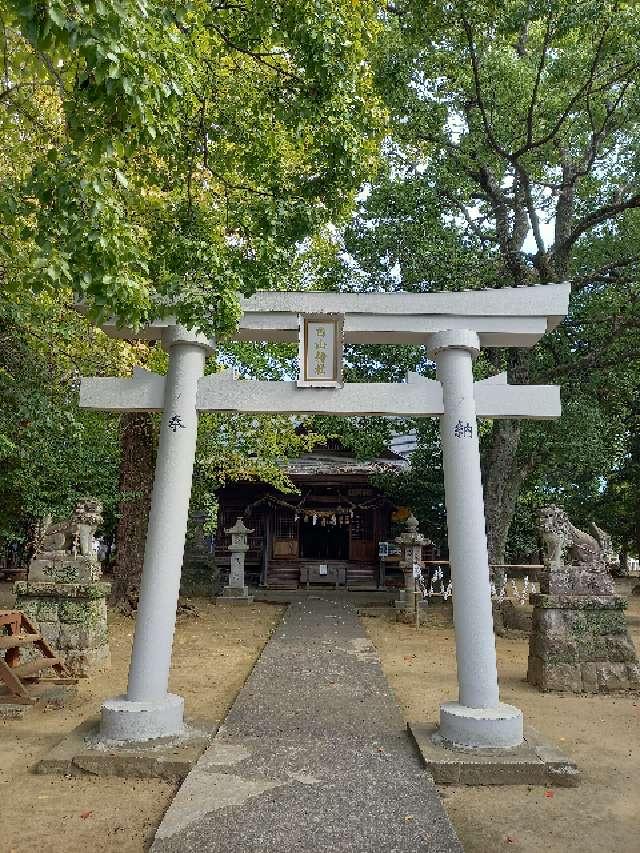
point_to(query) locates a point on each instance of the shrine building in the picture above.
(327, 533)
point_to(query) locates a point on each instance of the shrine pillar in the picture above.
(478, 718)
(148, 710)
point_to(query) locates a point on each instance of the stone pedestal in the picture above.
(71, 617)
(406, 605)
(579, 638)
(235, 595)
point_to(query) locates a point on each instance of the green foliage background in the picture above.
(159, 158)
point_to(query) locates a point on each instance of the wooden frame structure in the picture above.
(18, 632)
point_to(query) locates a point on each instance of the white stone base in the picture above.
(489, 728)
(127, 721)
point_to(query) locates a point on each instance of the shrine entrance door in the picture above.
(323, 541)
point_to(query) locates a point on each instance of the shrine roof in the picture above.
(332, 462)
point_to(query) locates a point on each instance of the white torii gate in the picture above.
(454, 327)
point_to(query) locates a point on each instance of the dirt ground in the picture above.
(216, 651)
(601, 733)
(213, 655)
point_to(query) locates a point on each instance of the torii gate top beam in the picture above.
(503, 317)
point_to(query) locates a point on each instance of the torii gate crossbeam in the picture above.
(454, 327)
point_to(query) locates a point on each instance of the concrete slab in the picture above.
(164, 758)
(535, 762)
(312, 756)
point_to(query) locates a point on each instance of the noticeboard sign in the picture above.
(321, 346)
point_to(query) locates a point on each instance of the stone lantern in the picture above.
(411, 543)
(236, 591)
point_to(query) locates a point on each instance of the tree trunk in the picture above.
(136, 481)
(502, 477)
(623, 568)
(503, 472)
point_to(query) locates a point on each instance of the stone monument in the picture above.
(236, 592)
(579, 640)
(64, 593)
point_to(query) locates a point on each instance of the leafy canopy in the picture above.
(172, 155)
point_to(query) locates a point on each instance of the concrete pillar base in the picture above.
(490, 728)
(128, 721)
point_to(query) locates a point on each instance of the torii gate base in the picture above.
(453, 326)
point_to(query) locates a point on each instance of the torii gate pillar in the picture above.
(478, 718)
(148, 710)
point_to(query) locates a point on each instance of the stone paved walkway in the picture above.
(313, 755)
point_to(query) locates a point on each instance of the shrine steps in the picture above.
(285, 574)
(362, 576)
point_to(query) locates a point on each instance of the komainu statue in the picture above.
(565, 544)
(579, 638)
(64, 593)
(75, 535)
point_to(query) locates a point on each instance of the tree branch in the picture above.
(473, 225)
(478, 88)
(578, 283)
(606, 212)
(586, 86)
(258, 56)
(536, 85)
